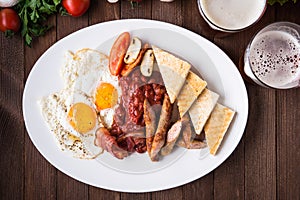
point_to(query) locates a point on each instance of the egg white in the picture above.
(84, 71)
(55, 109)
(81, 72)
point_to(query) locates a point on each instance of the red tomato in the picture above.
(76, 8)
(117, 53)
(9, 20)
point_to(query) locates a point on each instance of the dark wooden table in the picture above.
(265, 165)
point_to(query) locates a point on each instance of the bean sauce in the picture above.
(128, 117)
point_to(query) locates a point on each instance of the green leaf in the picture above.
(56, 2)
(272, 2)
(9, 33)
(34, 15)
(28, 40)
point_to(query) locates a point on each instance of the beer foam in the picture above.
(275, 58)
(233, 14)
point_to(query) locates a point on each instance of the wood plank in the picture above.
(288, 128)
(11, 119)
(171, 194)
(168, 12)
(202, 188)
(136, 196)
(229, 176)
(69, 188)
(260, 145)
(67, 24)
(40, 176)
(288, 144)
(142, 10)
(102, 11)
(102, 194)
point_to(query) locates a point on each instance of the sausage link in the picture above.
(161, 131)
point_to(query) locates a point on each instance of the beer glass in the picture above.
(272, 58)
(231, 15)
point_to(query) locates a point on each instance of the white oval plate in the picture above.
(137, 173)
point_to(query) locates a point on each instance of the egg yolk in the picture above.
(106, 96)
(82, 117)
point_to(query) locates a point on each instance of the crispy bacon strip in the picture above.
(129, 67)
(108, 143)
(150, 122)
(172, 137)
(161, 131)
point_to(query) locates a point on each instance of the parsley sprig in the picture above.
(34, 14)
(271, 2)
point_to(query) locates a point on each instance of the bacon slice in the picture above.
(150, 122)
(161, 131)
(108, 143)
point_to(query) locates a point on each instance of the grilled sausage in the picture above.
(187, 130)
(195, 144)
(172, 137)
(161, 131)
(150, 122)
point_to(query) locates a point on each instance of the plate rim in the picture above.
(149, 23)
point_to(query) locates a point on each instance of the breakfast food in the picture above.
(150, 124)
(217, 126)
(172, 136)
(161, 131)
(90, 93)
(192, 88)
(201, 109)
(139, 99)
(55, 111)
(173, 71)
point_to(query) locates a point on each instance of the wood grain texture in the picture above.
(69, 188)
(102, 11)
(263, 166)
(260, 145)
(11, 120)
(40, 175)
(202, 188)
(102, 194)
(288, 127)
(168, 12)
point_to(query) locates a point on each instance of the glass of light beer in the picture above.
(231, 15)
(272, 58)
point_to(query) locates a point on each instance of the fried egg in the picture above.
(87, 102)
(73, 120)
(87, 71)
